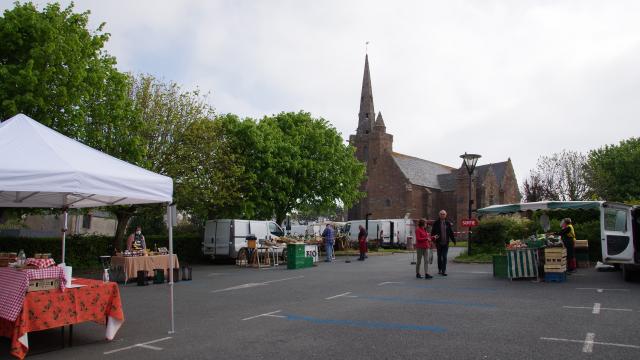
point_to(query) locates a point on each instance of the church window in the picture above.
(387, 203)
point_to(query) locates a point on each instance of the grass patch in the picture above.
(460, 244)
(484, 258)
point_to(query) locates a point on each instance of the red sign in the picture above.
(469, 222)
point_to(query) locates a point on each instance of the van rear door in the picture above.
(616, 233)
(223, 234)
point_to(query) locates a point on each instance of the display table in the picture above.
(130, 265)
(94, 301)
(522, 263)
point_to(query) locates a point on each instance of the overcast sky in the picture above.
(504, 79)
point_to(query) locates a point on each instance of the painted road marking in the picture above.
(602, 290)
(265, 314)
(355, 323)
(144, 345)
(596, 308)
(390, 282)
(589, 339)
(442, 287)
(588, 343)
(411, 301)
(337, 296)
(250, 285)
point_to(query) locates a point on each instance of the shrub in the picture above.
(82, 251)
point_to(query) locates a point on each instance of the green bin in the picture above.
(500, 266)
(295, 256)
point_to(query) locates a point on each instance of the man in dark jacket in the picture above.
(442, 230)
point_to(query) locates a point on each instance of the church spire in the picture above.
(367, 114)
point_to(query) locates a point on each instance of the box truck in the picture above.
(223, 238)
(394, 231)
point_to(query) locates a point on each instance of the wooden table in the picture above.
(130, 265)
(93, 301)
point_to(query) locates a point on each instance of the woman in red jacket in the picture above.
(362, 243)
(423, 242)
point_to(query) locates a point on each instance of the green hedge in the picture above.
(83, 251)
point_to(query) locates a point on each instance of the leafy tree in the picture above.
(301, 163)
(613, 171)
(560, 176)
(54, 69)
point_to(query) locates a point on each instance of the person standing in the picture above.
(568, 235)
(442, 231)
(136, 242)
(423, 243)
(328, 235)
(362, 243)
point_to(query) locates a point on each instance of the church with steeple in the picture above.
(399, 186)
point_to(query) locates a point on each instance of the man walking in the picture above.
(442, 231)
(328, 235)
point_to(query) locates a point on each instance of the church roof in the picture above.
(499, 170)
(421, 172)
(447, 181)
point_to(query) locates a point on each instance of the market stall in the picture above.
(539, 256)
(41, 168)
(86, 300)
(130, 265)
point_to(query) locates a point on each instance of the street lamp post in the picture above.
(470, 161)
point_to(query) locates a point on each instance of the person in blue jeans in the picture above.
(329, 237)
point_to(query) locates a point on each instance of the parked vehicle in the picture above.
(394, 231)
(223, 238)
(619, 228)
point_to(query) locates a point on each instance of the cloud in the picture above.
(504, 79)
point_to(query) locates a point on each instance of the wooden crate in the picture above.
(555, 251)
(555, 268)
(582, 244)
(555, 260)
(43, 284)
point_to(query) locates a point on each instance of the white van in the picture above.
(619, 228)
(394, 231)
(223, 238)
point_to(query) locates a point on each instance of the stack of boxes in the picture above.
(582, 254)
(555, 264)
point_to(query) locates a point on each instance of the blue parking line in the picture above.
(425, 301)
(365, 324)
(447, 287)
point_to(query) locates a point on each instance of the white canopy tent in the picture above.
(41, 168)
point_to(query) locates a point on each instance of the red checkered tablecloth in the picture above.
(12, 291)
(14, 284)
(40, 263)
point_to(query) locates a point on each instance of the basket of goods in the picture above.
(7, 258)
(516, 245)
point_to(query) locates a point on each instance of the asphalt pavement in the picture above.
(374, 309)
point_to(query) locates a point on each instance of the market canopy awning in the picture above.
(539, 205)
(42, 168)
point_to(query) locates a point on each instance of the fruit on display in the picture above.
(516, 244)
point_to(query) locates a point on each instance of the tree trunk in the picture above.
(123, 215)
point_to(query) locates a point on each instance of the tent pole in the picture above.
(64, 235)
(170, 224)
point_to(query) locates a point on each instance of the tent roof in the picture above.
(40, 167)
(540, 205)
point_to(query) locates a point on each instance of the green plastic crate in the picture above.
(500, 266)
(308, 261)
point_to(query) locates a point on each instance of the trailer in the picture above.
(619, 228)
(223, 238)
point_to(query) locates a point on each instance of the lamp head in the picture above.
(470, 161)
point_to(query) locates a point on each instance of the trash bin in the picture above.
(500, 266)
(251, 241)
(142, 278)
(158, 276)
(295, 256)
